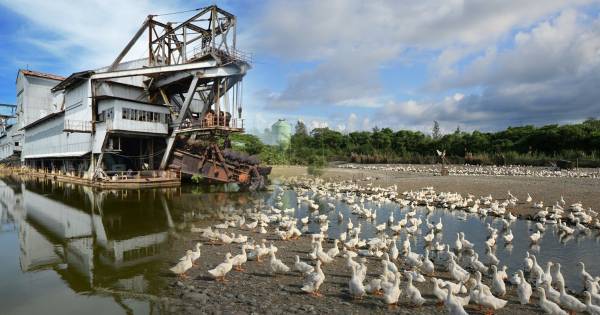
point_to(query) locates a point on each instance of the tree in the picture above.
(301, 128)
(457, 131)
(435, 132)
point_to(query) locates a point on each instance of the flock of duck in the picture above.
(477, 170)
(461, 266)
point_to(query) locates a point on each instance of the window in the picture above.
(141, 115)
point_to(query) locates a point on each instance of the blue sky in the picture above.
(353, 65)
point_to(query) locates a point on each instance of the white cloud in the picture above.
(87, 34)
(351, 41)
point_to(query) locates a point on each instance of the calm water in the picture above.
(68, 249)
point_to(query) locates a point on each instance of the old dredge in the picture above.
(143, 122)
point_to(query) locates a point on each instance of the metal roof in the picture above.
(31, 73)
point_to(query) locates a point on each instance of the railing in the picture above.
(230, 54)
(124, 175)
(77, 126)
(233, 123)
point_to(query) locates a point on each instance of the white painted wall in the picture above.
(48, 140)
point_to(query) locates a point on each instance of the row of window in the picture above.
(134, 114)
(143, 115)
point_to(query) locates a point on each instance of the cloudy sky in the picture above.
(354, 65)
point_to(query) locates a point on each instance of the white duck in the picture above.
(570, 302)
(535, 237)
(183, 265)
(508, 237)
(334, 251)
(453, 306)
(302, 267)
(355, 286)
(238, 260)
(313, 280)
(557, 276)
(413, 294)
(391, 292)
(427, 267)
(276, 265)
(498, 286)
(589, 307)
(524, 290)
(222, 269)
(374, 286)
(457, 272)
(548, 306)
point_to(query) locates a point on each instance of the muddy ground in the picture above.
(256, 291)
(547, 189)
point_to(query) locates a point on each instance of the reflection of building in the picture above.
(92, 239)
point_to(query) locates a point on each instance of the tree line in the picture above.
(524, 145)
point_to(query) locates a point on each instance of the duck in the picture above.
(276, 265)
(491, 257)
(313, 281)
(323, 256)
(391, 292)
(524, 290)
(548, 306)
(535, 237)
(551, 293)
(583, 273)
(527, 262)
(355, 285)
(481, 296)
(427, 267)
(374, 286)
(478, 265)
(394, 253)
(570, 302)
(508, 236)
(457, 272)
(557, 276)
(238, 260)
(413, 294)
(589, 307)
(334, 251)
(302, 267)
(221, 270)
(183, 265)
(439, 226)
(498, 286)
(453, 306)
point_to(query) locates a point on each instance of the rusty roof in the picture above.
(41, 75)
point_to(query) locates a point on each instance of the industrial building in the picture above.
(145, 121)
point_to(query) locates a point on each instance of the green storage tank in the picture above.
(281, 132)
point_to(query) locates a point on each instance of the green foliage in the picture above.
(247, 143)
(197, 178)
(525, 145)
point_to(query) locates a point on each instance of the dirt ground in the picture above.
(547, 189)
(255, 291)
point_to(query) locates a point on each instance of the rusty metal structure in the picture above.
(194, 69)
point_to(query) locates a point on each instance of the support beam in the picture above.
(132, 42)
(177, 122)
(153, 70)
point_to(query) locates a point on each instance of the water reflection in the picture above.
(108, 245)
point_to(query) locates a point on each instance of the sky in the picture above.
(354, 65)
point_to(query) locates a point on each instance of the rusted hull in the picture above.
(216, 167)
